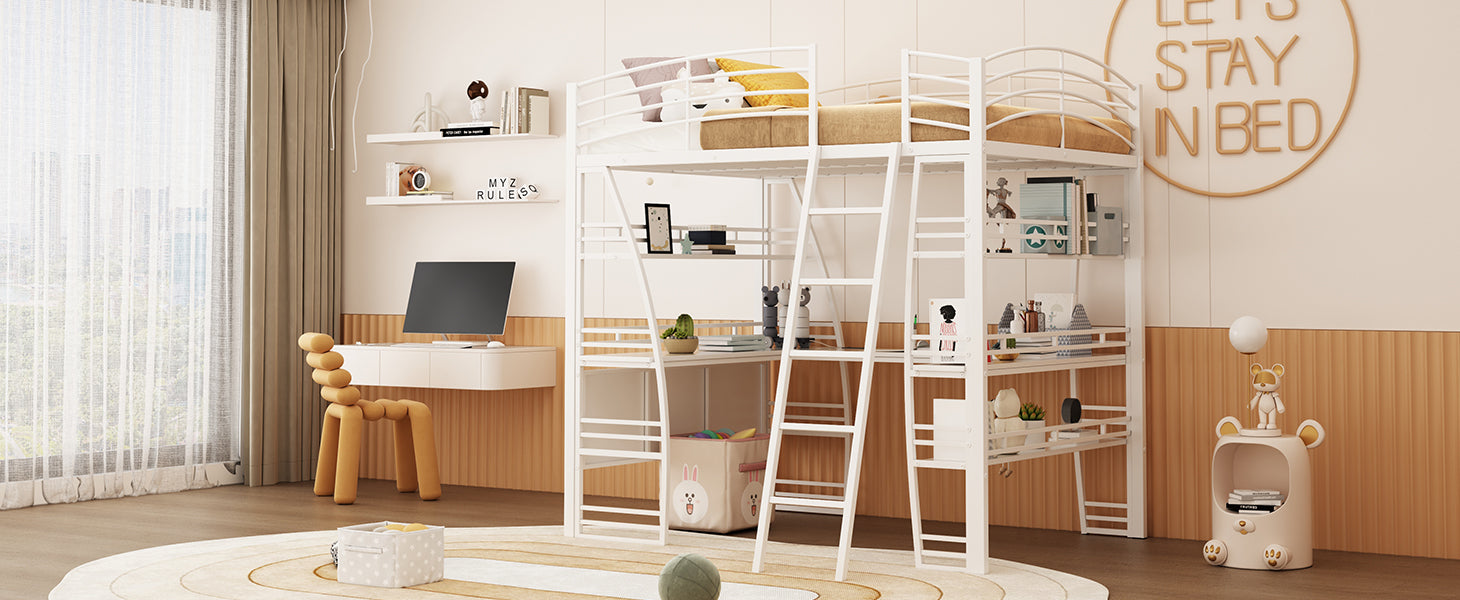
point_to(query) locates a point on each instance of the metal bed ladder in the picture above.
(845, 505)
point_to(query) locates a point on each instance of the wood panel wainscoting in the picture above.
(1387, 479)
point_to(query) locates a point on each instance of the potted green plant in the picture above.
(1033, 416)
(680, 337)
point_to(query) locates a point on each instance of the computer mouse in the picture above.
(496, 344)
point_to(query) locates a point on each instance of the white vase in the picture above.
(1033, 438)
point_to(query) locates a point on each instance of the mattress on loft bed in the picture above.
(878, 123)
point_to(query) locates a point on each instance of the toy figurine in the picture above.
(686, 245)
(769, 315)
(476, 95)
(1000, 209)
(803, 320)
(1267, 382)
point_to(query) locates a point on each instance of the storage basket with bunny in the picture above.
(717, 485)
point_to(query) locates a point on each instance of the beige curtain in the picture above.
(294, 187)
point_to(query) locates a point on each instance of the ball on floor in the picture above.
(689, 577)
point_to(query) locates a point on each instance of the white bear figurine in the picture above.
(1004, 416)
(1267, 402)
(701, 97)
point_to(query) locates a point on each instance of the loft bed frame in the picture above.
(1071, 88)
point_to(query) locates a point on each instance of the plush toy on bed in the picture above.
(701, 95)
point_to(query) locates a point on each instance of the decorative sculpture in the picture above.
(770, 315)
(1000, 209)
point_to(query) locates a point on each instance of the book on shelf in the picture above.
(762, 343)
(708, 251)
(706, 234)
(468, 131)
(524, 110)
(463, 124)
(1249, 508)
(734, 337)
(699, 246)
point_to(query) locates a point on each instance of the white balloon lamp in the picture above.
(1247, 334)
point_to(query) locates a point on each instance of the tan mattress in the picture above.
(875, 123)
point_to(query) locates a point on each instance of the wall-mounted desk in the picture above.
(507, 368)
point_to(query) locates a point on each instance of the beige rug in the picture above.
(297, 565)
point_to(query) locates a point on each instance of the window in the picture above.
(122, 127)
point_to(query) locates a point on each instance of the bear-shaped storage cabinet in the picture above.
(1277, 540)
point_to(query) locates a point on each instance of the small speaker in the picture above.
(1070, 410)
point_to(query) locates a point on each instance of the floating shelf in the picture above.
(437, 199)
(429, 137)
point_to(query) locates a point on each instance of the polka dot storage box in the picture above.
(391, 558)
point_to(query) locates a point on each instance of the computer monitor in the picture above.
(459, 297)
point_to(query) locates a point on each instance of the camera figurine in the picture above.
(414, 178)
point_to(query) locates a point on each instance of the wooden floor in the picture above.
(39, 545)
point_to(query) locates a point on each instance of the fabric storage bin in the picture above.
(393, 560)
(716, 484)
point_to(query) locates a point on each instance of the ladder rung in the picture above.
(800, 418)
(922, 220)
(1092, 504)
(619, 524)
(941, 236)
(624, 422)
(621, 511)
(837, 281)
(841, 355)
(630, 344)
(938, 254)
(954, 465)
(636, 454)
(818, 428)
(588, 435)
(1106, 531)
(1106, 519)
(619, 330)
(604, 239)
(944, 554)
(952, 539)
(807, 502)
(830, 484)
(849, 210)
(815, 405)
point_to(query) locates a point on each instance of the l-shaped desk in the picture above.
(513, 367)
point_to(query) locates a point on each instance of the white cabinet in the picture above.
(451, 368)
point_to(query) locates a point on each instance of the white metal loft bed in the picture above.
(1067, 88)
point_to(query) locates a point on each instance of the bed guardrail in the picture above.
(586, 103)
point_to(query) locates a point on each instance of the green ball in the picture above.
(689, 577)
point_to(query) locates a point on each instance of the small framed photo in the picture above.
(658, 231)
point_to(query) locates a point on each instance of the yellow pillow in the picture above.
(765, 82)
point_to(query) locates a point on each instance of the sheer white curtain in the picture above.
(122, 124)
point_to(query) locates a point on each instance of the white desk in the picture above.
(509, 368)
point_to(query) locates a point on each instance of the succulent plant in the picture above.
(683, 328)
(1030, 411)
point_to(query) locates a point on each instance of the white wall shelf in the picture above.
(438, 199)
(430, 137)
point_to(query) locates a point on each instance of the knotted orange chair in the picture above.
(339, 444)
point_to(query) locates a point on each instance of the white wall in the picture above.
(1302, 255)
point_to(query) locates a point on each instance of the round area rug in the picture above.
(538, 563)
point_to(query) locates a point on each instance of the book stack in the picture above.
(525, 110)
(708, 239)
(469, 128)
(734, 343)
(1055, 199)
(1254, 502)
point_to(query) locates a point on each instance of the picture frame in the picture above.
(658, 229)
